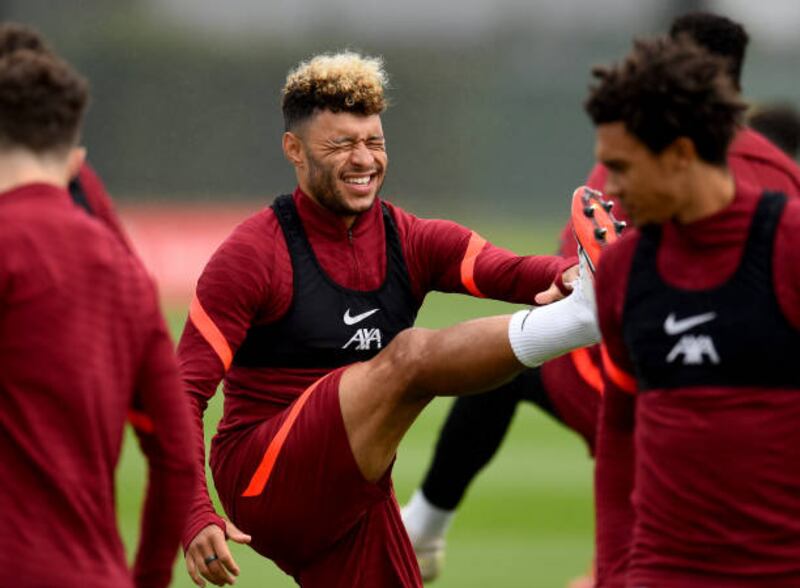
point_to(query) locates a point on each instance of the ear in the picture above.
(75, 159)
(681, 152)
(293, 149)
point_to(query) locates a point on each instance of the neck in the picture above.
(346, 219)
(19, 167)
(711, 188)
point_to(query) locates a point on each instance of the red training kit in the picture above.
(82, 347)
(88, 191)
(249, 282)
(574, 381)
(701, 323)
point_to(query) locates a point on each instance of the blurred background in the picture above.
(486, 127)
(486, 95)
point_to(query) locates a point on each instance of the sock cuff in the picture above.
(539, 334)
(520, 340)
(423, 520)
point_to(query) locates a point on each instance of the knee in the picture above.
(404, 356)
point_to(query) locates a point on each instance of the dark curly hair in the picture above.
(716, 34)
(15, 36)
(665, 89)
(42, 101)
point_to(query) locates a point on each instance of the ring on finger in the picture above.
(211, 558)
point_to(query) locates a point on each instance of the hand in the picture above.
(207, 544)
(553, 293)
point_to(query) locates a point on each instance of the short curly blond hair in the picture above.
(340, 82)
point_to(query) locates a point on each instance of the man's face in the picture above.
(343, 161)
(649, 185)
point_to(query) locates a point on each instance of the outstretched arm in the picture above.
(445, 256)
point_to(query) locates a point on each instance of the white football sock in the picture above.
(425, 521)
(543, 333)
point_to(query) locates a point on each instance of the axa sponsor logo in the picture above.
(363, 339)
(692, 349)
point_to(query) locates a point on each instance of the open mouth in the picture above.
(358, 180)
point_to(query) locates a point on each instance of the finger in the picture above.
(193, 573)
(225, 556)
(205, 553)
(235, 534)
(550, 295)
(211, 570)
(205, 550)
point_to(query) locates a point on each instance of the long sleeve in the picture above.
(163, 425)
(445, 256)
(235, 286)
(615, 450)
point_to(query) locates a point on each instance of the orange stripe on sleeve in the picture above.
(264, 470)
(474, 247)
(141, 421)
(621, 378)
(587, 369)
(210, 332)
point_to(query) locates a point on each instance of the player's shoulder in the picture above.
(88, 176)
(414, 225)
(23, 216)
(248, 253)
(256, 232)
(407, 223)
(398, 213)
(749, 144)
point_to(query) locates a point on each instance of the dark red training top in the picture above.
(248, 281)
(82, 346)
(574, 381)
(88, 191)
(697, 483)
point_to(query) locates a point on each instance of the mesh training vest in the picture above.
(732, 335)
(328, 325)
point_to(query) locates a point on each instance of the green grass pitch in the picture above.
(526, 521)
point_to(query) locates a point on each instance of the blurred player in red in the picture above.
(780, 123)
(82, 347)
(86, 188)
(569, 387)
(325, 277)
(697, 481)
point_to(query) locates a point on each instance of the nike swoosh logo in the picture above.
(351, 320)
(676, 327)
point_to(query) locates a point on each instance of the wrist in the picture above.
(197, 524)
